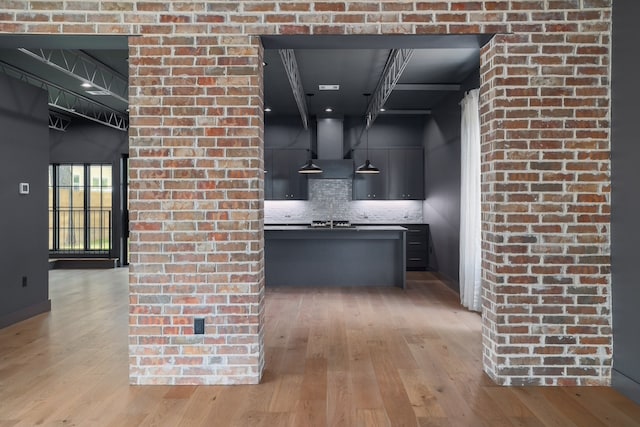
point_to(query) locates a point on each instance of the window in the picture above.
(80, 209)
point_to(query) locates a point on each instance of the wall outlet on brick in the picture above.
(198, 326)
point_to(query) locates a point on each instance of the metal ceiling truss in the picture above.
(396, 63)
(57, 122)
(78, 64)
(293, 74)
(70, 102)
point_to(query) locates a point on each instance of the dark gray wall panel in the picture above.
(386, 132)
(87, 142)
(625, 232)
(23, 218)
(287, 132)
(442, 183)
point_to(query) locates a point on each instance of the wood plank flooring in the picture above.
(335, 357)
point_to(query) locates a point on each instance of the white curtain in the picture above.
(470, 237)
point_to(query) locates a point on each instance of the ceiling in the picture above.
(356, 63)
(438, 65)
(61, 64)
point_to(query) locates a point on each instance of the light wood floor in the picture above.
(335, 357)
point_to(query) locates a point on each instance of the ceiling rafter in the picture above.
(397, 62)
(293, 74)
(70, 102)
(428, 87)
(86, 69)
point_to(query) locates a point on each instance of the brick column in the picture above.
(196, 209)
(545, 150)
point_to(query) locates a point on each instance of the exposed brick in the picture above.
(545, 107)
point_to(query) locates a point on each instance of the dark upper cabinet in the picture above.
(406, 174)
(371, 186)
(401, 175)
(282, 180)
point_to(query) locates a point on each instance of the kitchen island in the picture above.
(368, 255)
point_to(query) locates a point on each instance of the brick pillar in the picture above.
(545, 207)
(196, 142)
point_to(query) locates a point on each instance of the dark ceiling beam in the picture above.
(428, 87)
(86, 69)
(405, 112)
(293, 74)
(72, 103)
(397, 62)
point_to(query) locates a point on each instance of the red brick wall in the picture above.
(196, 187)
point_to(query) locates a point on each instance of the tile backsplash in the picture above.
(331, 198)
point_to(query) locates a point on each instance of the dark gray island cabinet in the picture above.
(355, 256)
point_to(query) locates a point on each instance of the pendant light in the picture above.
(367, 167)
(310, 167)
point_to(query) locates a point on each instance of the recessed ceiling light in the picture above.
(267, 109)
(328, 110)
(329, 87)
(383, 109)
(264, 64)
(86, 84)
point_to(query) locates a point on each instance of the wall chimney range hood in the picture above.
(330, 142)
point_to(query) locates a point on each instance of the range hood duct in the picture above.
(330, 143)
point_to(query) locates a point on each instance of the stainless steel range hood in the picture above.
(330, 142)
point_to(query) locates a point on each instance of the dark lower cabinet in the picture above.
(417, 242)
(417, 246)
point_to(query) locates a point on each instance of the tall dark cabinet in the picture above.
(625, 176)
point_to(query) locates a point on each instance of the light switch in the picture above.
(24, 188)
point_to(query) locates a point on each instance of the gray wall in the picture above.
(287, 132)
(23, 218)
(89, 142)
(625, 231)
(442, 184)
(387, 131)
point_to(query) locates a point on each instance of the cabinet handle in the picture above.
(415, 243)
(415, 259)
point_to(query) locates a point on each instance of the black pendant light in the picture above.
(310, 167)
(367, 167)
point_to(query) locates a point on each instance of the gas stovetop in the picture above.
(331, 224)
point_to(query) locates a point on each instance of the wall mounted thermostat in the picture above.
(24, 188)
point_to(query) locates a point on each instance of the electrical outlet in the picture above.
(24, 281)
(198, 326)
